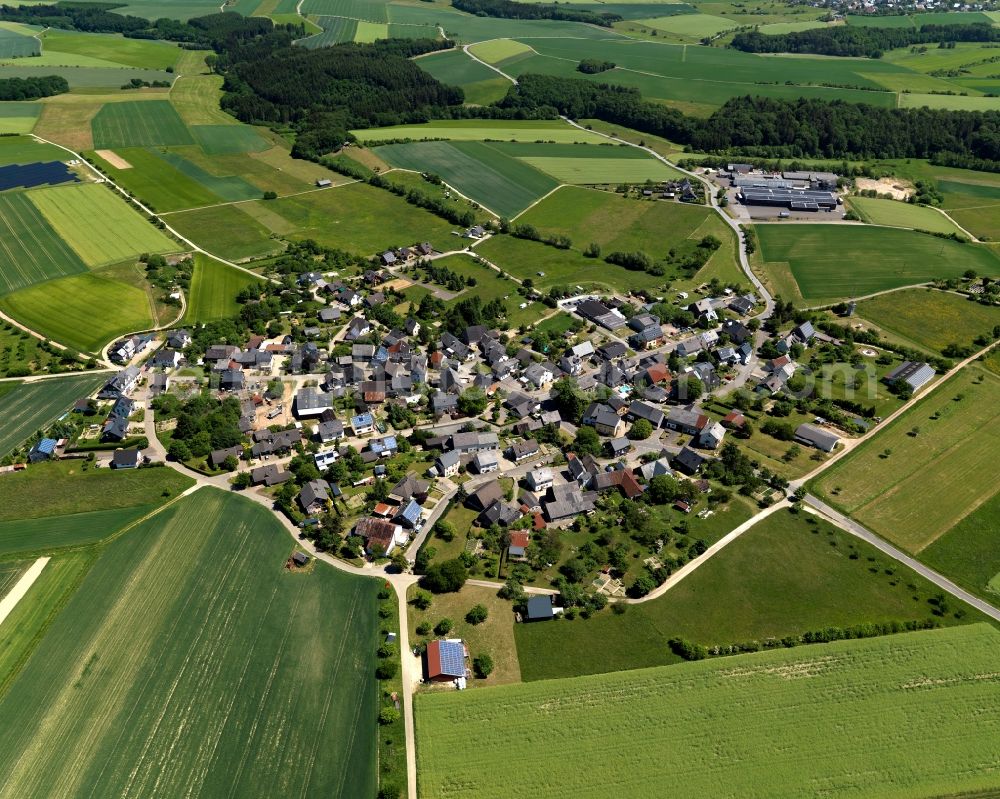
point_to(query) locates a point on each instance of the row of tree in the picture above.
(32, 88)
(508, 9)
(852, 40)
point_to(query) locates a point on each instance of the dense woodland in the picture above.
(507, 9)
(32, 88)
(850, 40)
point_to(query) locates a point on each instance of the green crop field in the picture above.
(827, 263)
(213, 290)
(930, 478)
(225, 231)
(846, 719)
(968, 552)
(745, 593)
(57, 532)
(10, 572)
(481, 172)
(356, 217)
(690, 26)
(32, 251)
(228, 139)
(899, 214)
(196, 99)
(602, 170)
(16, 117)
(64, 489)
(98, 224)
(24, 149)
(188, 631)
(155, 181)
(182, 11)
(484, 129)
(17, 45)
(138, 124)
(371, 10)
(82, 311)
(335, 31)
(930, 319)
(117, 50)
(34, 406)
(481, 84)
(953, 102)
(85, 78)
(230, 188)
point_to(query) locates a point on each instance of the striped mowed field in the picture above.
(138, 124)
(191, 663)
(30, 249)
(34, 406)
(98, 224)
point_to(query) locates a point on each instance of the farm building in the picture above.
(913, 373)
(813, 436)
(444, 661)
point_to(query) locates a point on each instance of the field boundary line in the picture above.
(536, 202)
(16, 594)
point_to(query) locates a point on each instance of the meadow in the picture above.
(17, 45)
(18, 117)
(899, 214)
(32, 251)
(97, 223)
(228, 139)
(184, 665)
(747, 592)
(156, 182)
(34, 406)
(85, 79)
(500, 183)
(225, 231)
(27, 537)
(26, 150)
(483, 130)
(23, 354)
(111, 49)
(228, 188)
(214, 287)
(83, 311)
(968, 553)
(920, 476)
(775, 723)
(480, 83)
(930, 319)
(821, 264)
(196, 97)
(138, 124)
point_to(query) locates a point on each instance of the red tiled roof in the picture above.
(520, 538)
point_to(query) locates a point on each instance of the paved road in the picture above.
(855, 529)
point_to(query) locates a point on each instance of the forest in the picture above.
(508, 9)
(850, 40)
(32, 88)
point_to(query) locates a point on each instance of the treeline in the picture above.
(507, 9)
(211, 31)
(849, 40)
(32, 88)
(325, 92)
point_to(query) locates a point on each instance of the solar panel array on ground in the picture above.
(47, 173)
(804, 200)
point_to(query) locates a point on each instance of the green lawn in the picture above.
(930, 319)
(188, 630)
(827, 263)
(98, 224)
(33, 252)
(213, 290)
(34, 406)
(931, 479)
(82, 311)
(848, 719)
(788, 575)
(900, 214)
(478, 170)
(138, 124)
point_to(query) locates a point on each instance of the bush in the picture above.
(482, 665)
(443, 627)
(477, 614)
(388, 715)
(424, 628)
(386, 670)
(421, 600)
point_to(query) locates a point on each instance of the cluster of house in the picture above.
(404, 255)
(682, 190)
(391, 522)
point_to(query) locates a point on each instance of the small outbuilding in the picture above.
(444, 661)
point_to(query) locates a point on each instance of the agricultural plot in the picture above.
(483, 130)
(230, 188)
(480, 83)
(87, 78)
(17, 117)
(225, 231)
(180, 635)
(371, 10)
(918, 478)
(745, 593)
(690, 26)
(182, 11)
(335, 31)
(974, 205)
(502, 184)
(156, 182)
(110, 49)
(968, 552)
(356, 217)
(17, 45)
(98, 224)
(827, 263)
(196, 100)
(34, 406)
(49, 533)
(228, 139)
(214, 287)
(138, 124)
(930, 319)
(30, 249)
(899, 214)
(584, 171)
(82, 311)
(762, 724)
(10, 573)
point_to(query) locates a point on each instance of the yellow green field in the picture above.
(480, 129)
(900, 214)
(497, 50)
(98, 224)
(927, 470)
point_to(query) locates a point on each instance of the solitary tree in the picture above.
(483, 666)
